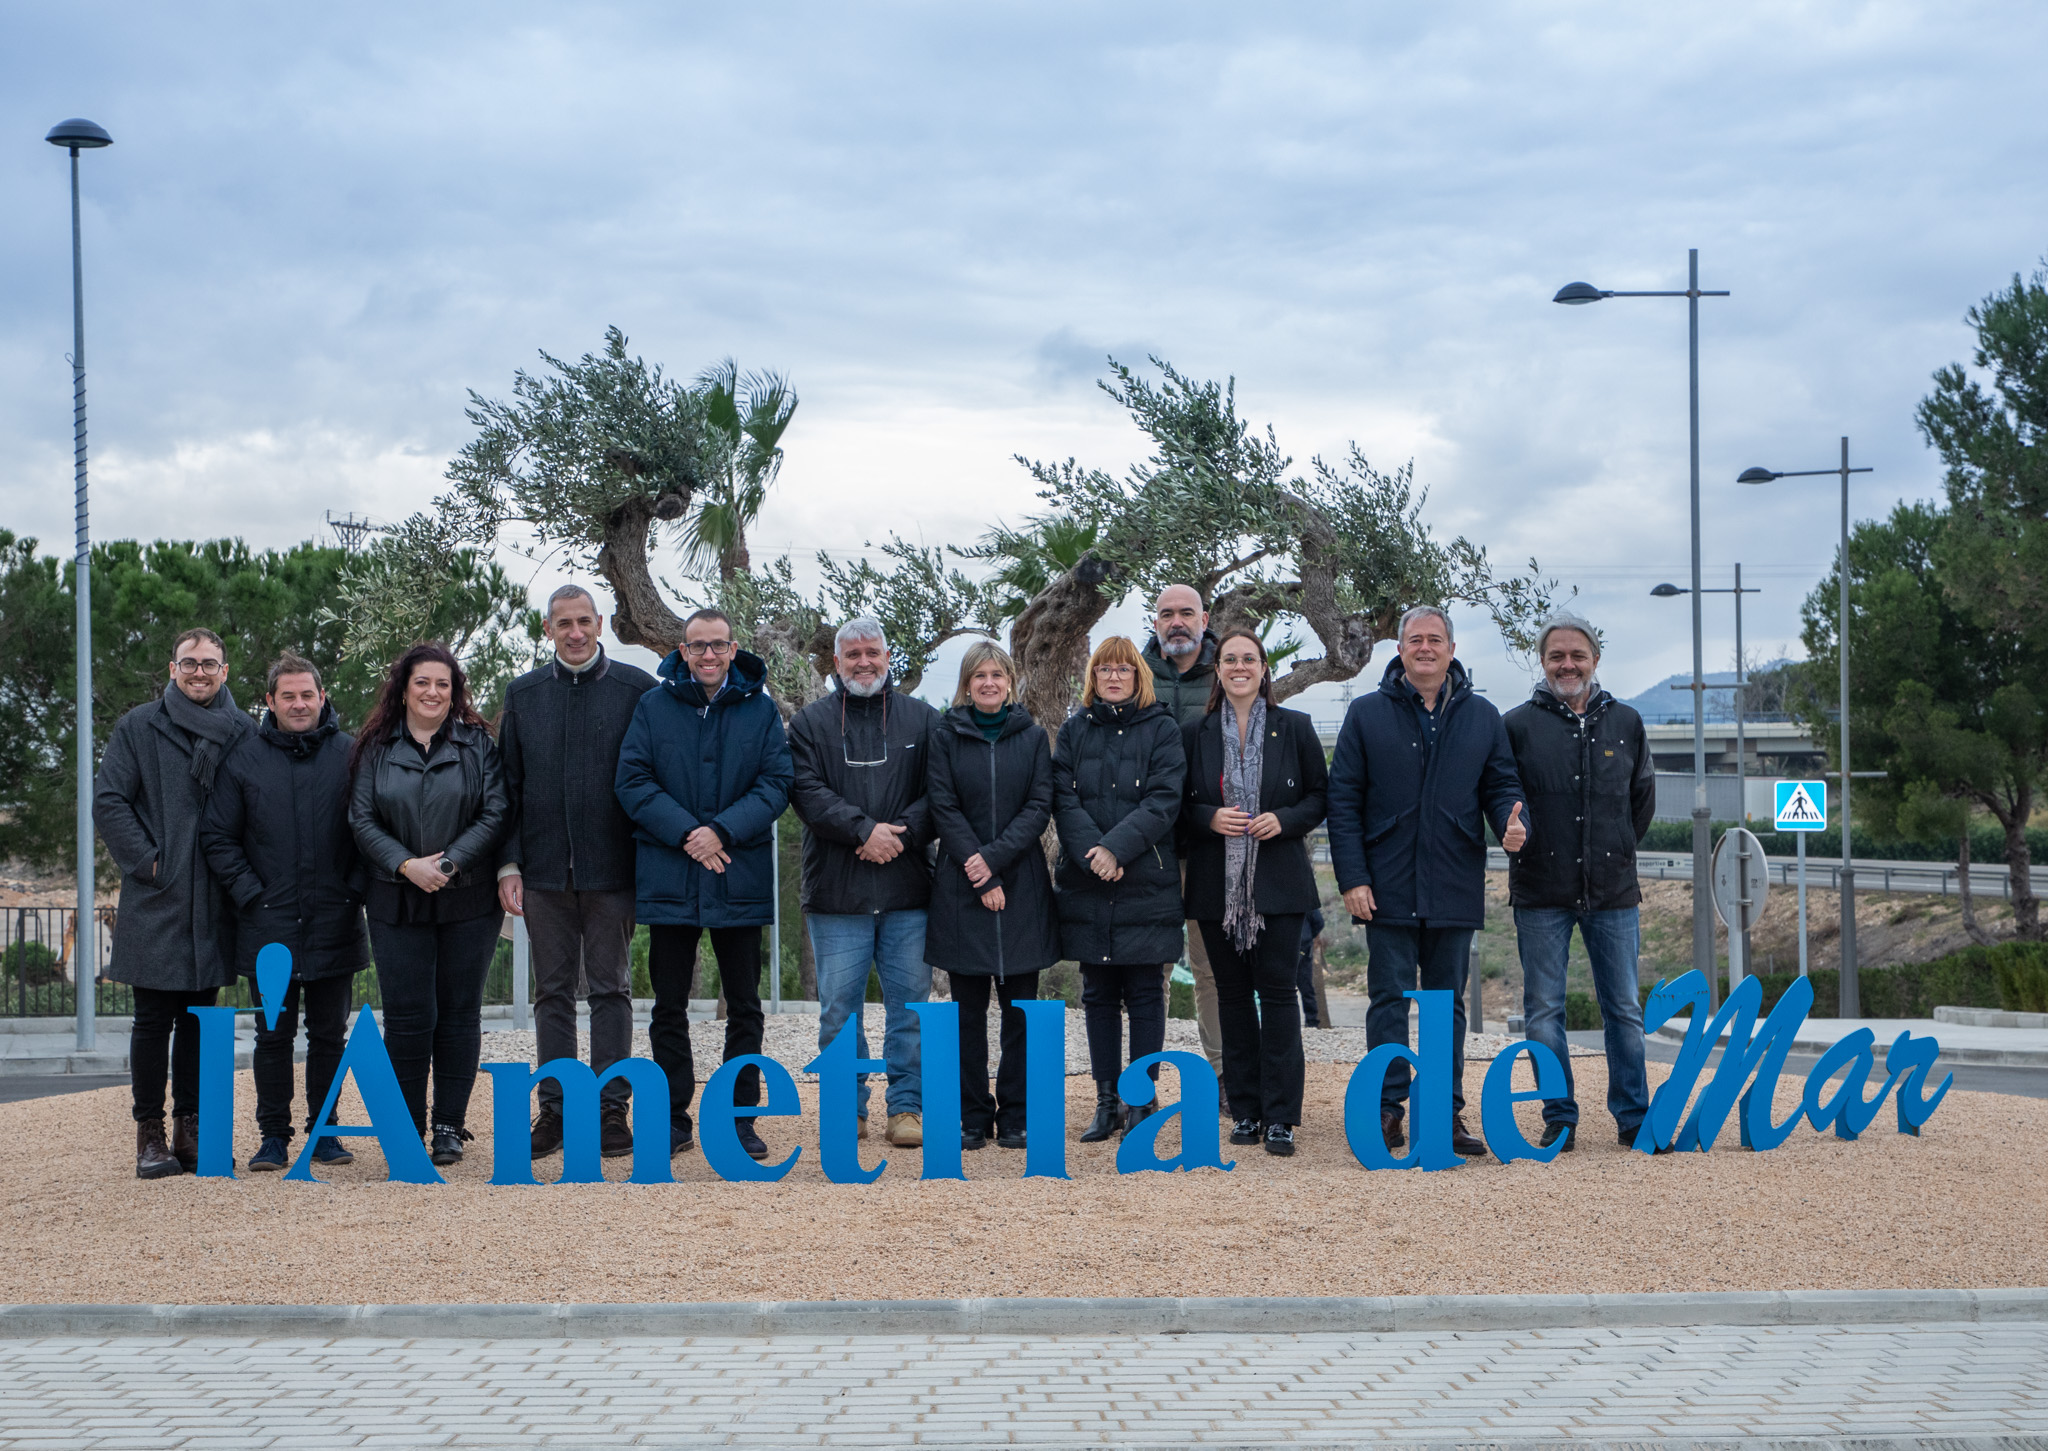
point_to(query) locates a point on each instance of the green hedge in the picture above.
(1987, 844)
(2010, 975)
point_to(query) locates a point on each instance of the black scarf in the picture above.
(213, 727)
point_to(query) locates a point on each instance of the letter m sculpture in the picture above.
(512, 1087)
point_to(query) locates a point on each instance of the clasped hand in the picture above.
(707, 850)
(1102, 861)
(1229, 821)
(425, 873)
(884, 843)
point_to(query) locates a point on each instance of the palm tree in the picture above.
(1027, 560)
(747, 416)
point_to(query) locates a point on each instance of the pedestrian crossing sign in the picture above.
(1801, 806)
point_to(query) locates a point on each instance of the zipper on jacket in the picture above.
(992, 837)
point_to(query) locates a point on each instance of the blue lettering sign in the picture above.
(366, 1060)
(716, 1111)
(1045, 1089)
(512, 1087)
(838, 1068)
(938, 1031)
(1429, 1093)
(1199, 1149)
(1498, 1097)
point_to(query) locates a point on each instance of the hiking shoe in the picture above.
(153, 1157)
(547, 1131)
(1247, 1131)
(1464, 1142)
(749, 1140)
(615, 1132)
(330, 1151)
(906, 1130)
(1280, 1139)
(1553, 1132)
(446, 1144)
(270, 1156)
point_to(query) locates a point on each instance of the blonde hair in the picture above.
(1118, 650)
(980, 653)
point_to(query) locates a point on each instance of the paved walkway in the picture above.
(1946, 1380)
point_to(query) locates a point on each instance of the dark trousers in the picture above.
(326, 1004)
(671, 963)
(1261, 1018)
(979, 1112)
(1439, 956)
(165, 1042)
(1108, 992)
(582, 943)
(431, 976)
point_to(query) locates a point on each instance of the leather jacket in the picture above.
(453, 801)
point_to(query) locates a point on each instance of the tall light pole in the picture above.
(1672, 591)
(1579, 293)
(78, 135)
(1851, 995)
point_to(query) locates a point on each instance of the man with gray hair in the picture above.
(859, 790)
(567, 863)
(1421, 765)
(1584, 760)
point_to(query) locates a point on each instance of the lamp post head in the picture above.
(1578, 294)
(1756, 476)
(1666, 591)
(79, 134)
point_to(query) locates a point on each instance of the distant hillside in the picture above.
(1661, 704)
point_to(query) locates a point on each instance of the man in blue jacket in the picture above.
(1422, 766)
(704, 774)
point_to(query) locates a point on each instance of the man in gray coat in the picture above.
(172, 934)
(567, 863)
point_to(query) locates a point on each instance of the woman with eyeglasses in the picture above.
(1117, 774)
(991, 923)
(429, 806)
(1256, 786)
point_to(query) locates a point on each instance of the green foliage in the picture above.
(921, 603)
(1027, 560)
(29, 962)
(37, 693)
(2022, 977)
(1987, 843)
(562, 453)
(745, 417)
(1581, 1012)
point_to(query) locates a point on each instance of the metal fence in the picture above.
(37, 979)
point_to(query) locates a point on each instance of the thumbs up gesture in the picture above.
(1516, 834)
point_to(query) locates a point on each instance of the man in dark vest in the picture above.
(567, 864)
(276, 834)
(1584, 758)
(171, 932)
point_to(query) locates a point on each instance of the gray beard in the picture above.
(1178, 648)
(863, 691)
(1568, 695)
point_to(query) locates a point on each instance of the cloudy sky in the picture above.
(318, 228)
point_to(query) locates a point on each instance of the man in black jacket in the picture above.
(1585, 763)
(171, 933)
(860, 792)
(276, 834)
(567, 863)
(1422, 766)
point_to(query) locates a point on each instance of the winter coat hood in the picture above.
(745, 677)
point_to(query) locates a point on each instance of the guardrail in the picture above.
(1926, 878)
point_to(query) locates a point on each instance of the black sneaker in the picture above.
(615, 1132)
(680, 1139)
(1553, 1132)
(330, 1151)
(1280, 1139)
(547, 1131)
(1628, 1141)
(269, 1157)
(971, 1140)
(446, 1145)
(749, 1140)
(1247, 1131)
(1010, 1140)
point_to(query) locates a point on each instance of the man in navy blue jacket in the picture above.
(1422, 766)
(704, 773)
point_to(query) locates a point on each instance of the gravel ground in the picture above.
(1964, 1205)
(791, 1039)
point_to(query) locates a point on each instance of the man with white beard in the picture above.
(1591, 785)
(860, 792)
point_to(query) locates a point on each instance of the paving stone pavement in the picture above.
(1948, 1384)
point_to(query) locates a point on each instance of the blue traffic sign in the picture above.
(1801, 806)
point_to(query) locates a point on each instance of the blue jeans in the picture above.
(847, 945)
(1613, 941)
(1396, 957)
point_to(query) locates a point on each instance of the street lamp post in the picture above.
(1851, 996)
(1577, 294)
(1740, 687)
(78, 135)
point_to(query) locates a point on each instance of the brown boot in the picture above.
(153, 1157)
(1464, 1142)
(185, 1140)
(1390, 1128)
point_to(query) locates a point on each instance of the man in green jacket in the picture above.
(1182, 656)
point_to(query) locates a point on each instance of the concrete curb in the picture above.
(1028, 1317)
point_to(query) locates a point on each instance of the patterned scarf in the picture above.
(1243, 766)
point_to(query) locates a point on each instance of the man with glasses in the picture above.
(173, 933)
(860, 792)
(567, 863)
(704, 775)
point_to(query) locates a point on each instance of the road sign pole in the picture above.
(1801, 838)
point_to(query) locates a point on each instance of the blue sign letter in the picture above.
(839, 1068)
(1497, 1100)
(1915, 1056)
(365, 1058)
(1429, 1093)
(1045, 1089)
(1139, 1150)
(715, 1113)
(216, 1092)
(512, 1128)
(938, 1033)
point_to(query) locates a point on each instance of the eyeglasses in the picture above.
(1114, 671)
(707, 647)
(189, 666)
(846, 751)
